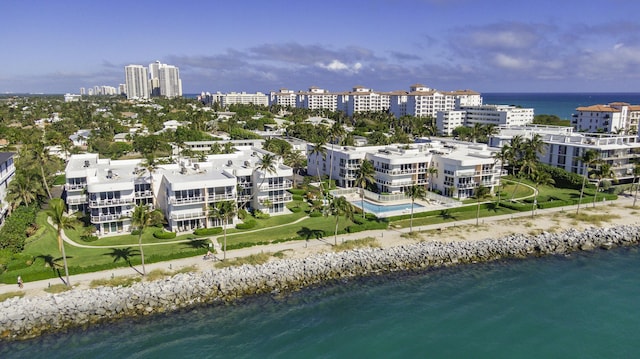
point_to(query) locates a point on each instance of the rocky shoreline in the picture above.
(23, 318)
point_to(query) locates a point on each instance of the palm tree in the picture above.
(24, 189)
(297, 161)
(636, 180)
(415, 192)
(142, 218)
(336, 131)
(540, 178)
(340, 207)
(57, 214)
(481, 193)
(503, 156)
(268, 165)
(365, 175)
(589, 158)
(41, 155)
(319, 150)
(604, 171)
(431, 171)
(224, 211)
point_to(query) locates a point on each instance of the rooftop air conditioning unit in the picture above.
(109, 174)
(87, 163)
(229, 163)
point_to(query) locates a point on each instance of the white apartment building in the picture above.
(615, 117)
(422, 101)
(284, 98)
(564, 148)
(497, 115)
(362, 99)
(232, 98)
(108, 190)
(136, 82)
(7, 172)
(169, 81)
(459, 167)
(316, 99)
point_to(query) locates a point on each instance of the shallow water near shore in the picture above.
(583, 305)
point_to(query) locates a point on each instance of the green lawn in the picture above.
(41, 249)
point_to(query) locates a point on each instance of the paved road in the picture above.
(83, 280)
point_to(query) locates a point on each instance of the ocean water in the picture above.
(559, 104)
(580, 306)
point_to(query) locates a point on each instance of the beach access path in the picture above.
(613, 213)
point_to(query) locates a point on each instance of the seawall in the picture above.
(23, 318)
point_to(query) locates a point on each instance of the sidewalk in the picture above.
(388, 238)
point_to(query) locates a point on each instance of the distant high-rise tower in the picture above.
(170, 83)
(136, 81)
(154, 70)
(165, 80)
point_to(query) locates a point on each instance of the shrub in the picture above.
(315, 214)
(297, 197)
(161, 234)
(248, 224)
(297, 191)
(242, 213)
(207, 231)
(261, 215)
(89, 238)
(295, 209)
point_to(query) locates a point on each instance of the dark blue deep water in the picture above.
(559, 104)
(581, 306)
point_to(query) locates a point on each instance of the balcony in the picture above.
(142, 194)
(75, 186)
(186, 200)
(190, 215)
(222, 197)
(76, 200)
(466, 185)
(107, 218)
(111, 202)
(276, 186)
(276, 199)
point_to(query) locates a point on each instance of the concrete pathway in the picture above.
(84, 280)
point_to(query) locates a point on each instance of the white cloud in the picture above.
(339, 66)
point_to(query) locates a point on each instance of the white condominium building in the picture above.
(564, 148)
(362, 99)
(226, 99)
(317, 99)
(422, 101)
(498, 115)
(136, 82)
(616, 117)
(454, 169)
(7, 172)
(284, 98)
(185, 192)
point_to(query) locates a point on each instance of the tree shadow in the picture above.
(446, 215)
(124, 254)
(54, 264)
(198, 243)
(493, 207)
(308, 233)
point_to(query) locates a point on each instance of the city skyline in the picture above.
(488, 46)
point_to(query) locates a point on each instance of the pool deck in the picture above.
(426, 206)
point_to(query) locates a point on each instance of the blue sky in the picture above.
(484, 45)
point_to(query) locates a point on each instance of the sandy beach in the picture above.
(555, 220)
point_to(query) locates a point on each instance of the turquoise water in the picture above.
(581, 306)
(560, 104)
(378, 208)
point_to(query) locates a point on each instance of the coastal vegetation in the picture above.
(31, 247)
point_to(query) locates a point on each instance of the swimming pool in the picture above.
(379, 208)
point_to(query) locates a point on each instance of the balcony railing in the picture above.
(186, 200)
(110, 202)
(107, 218)
(144, 194)
(276, 199)
(76, 200)
(189, 215)
(276, 186)
(74, 187)
(221, 197)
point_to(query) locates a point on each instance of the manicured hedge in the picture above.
(207, 231)
(248, 224)
(161, 234)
